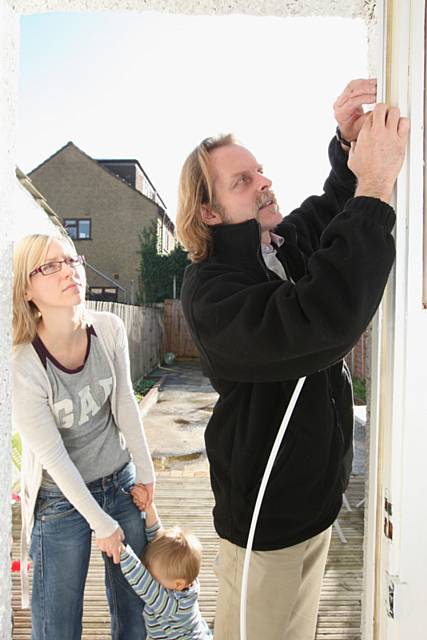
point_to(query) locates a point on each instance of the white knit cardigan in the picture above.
(33, 417)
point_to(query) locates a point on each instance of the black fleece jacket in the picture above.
(257, 334)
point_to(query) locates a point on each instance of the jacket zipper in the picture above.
(262, 263)
(334, 407)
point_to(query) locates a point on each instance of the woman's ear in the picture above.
(209, 216)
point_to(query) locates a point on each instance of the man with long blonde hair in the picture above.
(269, 300)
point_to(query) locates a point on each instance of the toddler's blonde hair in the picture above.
(175, 553)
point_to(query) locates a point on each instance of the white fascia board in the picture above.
(28, 216)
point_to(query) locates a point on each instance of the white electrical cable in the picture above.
(266, 476)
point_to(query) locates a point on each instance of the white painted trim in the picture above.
(374, 444)
(399, 97)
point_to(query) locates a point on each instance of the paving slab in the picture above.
(175, 425)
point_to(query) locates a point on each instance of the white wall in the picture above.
(8, 73)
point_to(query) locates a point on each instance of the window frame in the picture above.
(103, 289)
(76, 226)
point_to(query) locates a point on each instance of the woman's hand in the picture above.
(142, 495)
(112, 545)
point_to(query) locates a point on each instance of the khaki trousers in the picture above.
(283, 590)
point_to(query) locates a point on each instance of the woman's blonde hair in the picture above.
(175, 554)
(195, 190)
(29, 253)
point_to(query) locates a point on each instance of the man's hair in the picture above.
(175, 554)
(29, 253)
(195, 190)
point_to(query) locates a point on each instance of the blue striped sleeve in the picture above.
(150, 532)
(142, 582)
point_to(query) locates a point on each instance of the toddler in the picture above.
(166, 580)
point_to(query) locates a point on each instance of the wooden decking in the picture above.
(188, 501)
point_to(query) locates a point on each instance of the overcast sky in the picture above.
(150, 86)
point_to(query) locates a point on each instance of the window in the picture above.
(108, 294)
(79, 228)
(167, 239)
(159, 236)
(146, 190)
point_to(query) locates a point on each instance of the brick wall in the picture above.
(356, 359)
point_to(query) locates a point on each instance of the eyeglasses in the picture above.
(56, 265)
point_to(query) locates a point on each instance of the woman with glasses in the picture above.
(83, 440)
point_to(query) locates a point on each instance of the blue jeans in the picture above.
(60, 551)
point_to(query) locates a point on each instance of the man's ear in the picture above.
(209, 216)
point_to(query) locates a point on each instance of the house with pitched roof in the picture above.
(105, 205)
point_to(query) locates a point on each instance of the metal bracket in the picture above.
(394, 595)
(388, 524)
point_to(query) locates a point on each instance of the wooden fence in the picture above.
(177, 336)
(179, 341)
(145, 331)
(155, 329)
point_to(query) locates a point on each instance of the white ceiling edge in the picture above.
(284, 8)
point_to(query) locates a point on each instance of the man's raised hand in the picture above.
(348, 107)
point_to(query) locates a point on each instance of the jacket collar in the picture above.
(236, 243)
(240, 244)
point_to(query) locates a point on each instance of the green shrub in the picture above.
(359, 390)
(157, 272)
(142, 386)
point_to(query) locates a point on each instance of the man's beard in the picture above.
(264, 198)
(259, 203)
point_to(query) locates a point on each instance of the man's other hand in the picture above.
(377, 156)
